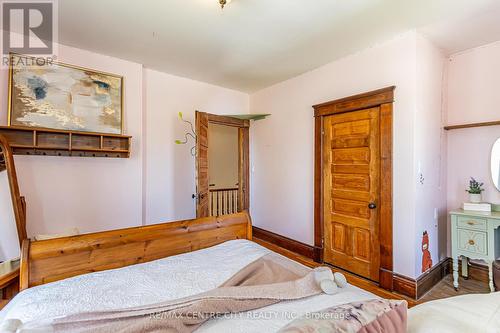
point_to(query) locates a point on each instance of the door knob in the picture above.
(372, 205)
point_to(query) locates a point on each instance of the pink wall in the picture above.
(170, 169)
(430, 153)
(154, 185)
(89, 193)
(473, 96)
(282, 145)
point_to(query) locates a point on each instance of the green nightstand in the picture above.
(473, 236)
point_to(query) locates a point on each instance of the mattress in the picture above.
(461, 314)
(166, 279)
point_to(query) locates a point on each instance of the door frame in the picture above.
(243, 126)
(382, 98)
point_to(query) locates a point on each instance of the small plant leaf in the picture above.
(180, 115)
(475, 187)
(178, 142)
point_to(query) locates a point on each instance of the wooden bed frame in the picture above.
(18, 202)
(55, 259)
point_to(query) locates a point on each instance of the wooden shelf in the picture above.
(9, 271)
(490, 123)
(9, 281)
(49, 142)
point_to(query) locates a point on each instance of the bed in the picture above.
(466, 313)
(151, 264)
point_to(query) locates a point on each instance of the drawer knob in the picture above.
(471, 242)
(471, 223)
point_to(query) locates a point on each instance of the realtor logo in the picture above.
(28, 27)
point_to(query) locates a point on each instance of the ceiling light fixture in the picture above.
(223, 3)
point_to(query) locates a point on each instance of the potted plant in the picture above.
(475, 190)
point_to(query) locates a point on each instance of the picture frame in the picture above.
(62, 96)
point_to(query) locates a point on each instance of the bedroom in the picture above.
(275, 72)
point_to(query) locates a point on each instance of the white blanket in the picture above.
(166, 279)
(462, 314)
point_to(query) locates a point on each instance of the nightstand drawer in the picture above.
(472, 241)
(475, 223)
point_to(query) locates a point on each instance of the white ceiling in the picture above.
(253, 44)
(465, 32)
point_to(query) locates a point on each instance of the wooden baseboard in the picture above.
(305, 250)
(413, 288)
(386, 279)
(428, 280)
(416, 288)
(404, 285)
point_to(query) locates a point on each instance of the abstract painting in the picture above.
(66, 97)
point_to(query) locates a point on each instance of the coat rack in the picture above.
(49, 142)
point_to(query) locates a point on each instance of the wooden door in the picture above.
(351, 185)
(202, 166)
(244, 167)
(202, 202)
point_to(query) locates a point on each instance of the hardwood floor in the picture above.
(351, 278)
(443, 289)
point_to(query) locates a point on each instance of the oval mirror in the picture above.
(495, 164)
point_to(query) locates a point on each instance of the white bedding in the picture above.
(472, 313)
(170, 278)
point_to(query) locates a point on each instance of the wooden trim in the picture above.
(25, 141)
(489, 123)
(202, 156)
(17, 201)
(51, 130)
(428, 280)
(386, 279)
(249, 225)
(244, 167)
(292, 245)
(7, 279)
(223, 189)
(24, 268)
(353, 279)
(243, 126)
(3, 303)
(382, 98)
(227, 121)
(416, 288)
(55, 259)
(413, 288)
(385, 232)
(287, 253)
(318, 187)
(356, 102)
(405, 286)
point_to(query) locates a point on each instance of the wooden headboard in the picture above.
(55, 259)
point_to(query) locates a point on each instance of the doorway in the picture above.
(223, 169)
(353, 184)
(222, 163)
